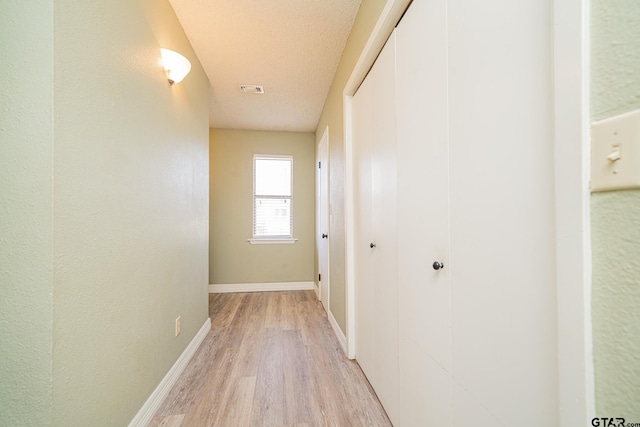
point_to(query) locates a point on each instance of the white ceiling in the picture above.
(291, 47)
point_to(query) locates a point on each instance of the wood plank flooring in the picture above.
(271, 359)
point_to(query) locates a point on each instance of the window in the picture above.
(272, 198)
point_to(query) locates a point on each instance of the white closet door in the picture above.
(502, 213)
(384, 186)
(374, 136)
(468, 183)
(363, 223)
(423, 216)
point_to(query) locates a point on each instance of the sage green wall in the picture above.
(26, 279)
(231, 258)
(130, 219)
(615, 218)
(104, 207)
(332, 115)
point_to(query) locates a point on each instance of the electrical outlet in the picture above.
(177, 325)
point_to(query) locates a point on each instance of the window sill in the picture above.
(272, 241)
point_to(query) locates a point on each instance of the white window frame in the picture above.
(270, 240)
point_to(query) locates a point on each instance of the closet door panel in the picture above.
(423, 216)
(363, 233)
(383, 173)
(425, 389)
(468, 411)
(374, 141)
(502, 210)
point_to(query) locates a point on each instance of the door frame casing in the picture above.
(571, 65)
(570, 71)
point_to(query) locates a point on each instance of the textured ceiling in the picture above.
(291, 47)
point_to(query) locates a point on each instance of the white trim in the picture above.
(573, 226)
(349, 230)
(272, 241)
(261, 287)
(387, 21)
(274, 156)
(336, 330)
(317, 290)
(150, 407)
(389, 18)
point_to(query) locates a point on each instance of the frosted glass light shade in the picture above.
(176, 65)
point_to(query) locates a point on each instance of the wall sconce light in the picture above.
(176, 65)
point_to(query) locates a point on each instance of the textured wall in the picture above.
(615, 61)
(615, 218)
(130, 207)
(231, 258)
(26, 113)
(332, 115)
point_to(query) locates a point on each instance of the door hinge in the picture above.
(319, 277)
(319, 165)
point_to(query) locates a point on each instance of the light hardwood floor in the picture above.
(271, 359)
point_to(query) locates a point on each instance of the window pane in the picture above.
(273, 177)
(272, 217)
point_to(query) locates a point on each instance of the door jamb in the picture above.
(571, 75)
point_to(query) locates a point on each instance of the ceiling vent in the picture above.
(251, 89)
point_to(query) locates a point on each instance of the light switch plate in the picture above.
(615, 153)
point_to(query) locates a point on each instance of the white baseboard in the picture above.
(150, 407)
(261, 287)
(317, 289)
(336, 329)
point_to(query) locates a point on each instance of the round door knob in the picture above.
(372, 245)
(324, 236)
(438, 265)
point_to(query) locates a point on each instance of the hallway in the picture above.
(271, 359)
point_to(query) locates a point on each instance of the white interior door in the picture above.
(322, 237)
(374, 135)
(423, 216)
